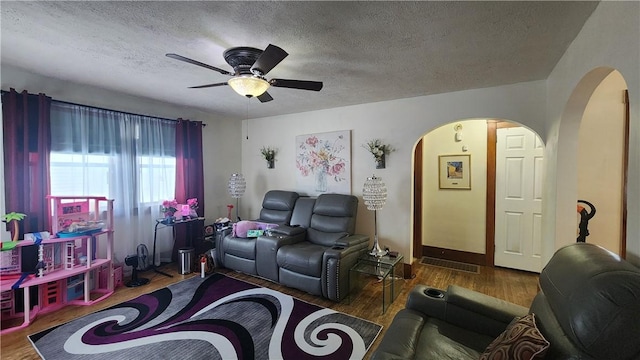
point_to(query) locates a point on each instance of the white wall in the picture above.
(455, 219)
(220, 137)
(400, 123)
(222, 157)
(608, 41)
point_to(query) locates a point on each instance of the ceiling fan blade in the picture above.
(208, 85)
(270, 57)
(194, 62)
(265, 97)
(297, 84)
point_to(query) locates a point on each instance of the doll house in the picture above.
(69, 265)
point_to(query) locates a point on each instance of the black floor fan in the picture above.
(132, 260)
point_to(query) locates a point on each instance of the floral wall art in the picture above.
(323, 163)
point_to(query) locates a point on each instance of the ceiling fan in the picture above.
(250, 65)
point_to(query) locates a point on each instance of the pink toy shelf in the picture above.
(70, 261)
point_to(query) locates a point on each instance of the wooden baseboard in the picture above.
(409, 271)
(454, 255)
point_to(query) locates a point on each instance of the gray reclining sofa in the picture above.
(312, 249)
(588, 307)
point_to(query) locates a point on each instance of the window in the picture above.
(70, 174)
(96, 152)
(154, 187)
(125, 157)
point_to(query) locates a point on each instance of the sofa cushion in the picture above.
(400, 340)
(562, 347)
(520, 341)
(333, 218)
(302, 212)
(412, 335)
(337, 206)
(303, 258)
(240, 247)
(443, 341)
(327, 239)
(277, 206)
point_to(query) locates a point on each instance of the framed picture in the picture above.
(323, 163)
(454, 171)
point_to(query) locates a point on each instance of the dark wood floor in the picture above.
(514, 286)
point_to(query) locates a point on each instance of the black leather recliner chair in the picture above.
(588, 307)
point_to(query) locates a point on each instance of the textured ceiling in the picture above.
(362, 51)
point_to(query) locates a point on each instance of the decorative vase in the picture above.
(271, 164)
(321, 180)
(170, 219)
(380, 162)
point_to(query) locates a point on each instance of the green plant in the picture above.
(12, 219)
(378, 149)
(268, 153)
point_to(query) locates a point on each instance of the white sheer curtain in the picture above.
(125, 157)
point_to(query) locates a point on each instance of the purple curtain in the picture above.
(189, 176)
(27, 142)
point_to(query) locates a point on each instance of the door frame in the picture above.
(490, 235)
(417, 198)
(625, 176)
(489, 256)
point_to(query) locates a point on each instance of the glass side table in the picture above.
(389, 272)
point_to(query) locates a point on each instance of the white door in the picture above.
(519, 166)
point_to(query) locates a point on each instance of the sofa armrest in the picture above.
(483, 304)
(348, 247)
(466, 308)
(352, 240)
(339, 252)
(337, 261)
(288, 230)
(219, 239)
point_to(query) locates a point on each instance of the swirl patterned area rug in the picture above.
(213, 318)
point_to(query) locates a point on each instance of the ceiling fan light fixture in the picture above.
(248, 85)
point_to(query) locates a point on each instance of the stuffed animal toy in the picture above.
(241, 227)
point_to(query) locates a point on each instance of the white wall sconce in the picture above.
(458, 129)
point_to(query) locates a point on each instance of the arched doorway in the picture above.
(463, 223)
(603, 152)
(565, 164)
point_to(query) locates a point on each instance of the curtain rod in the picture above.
(101, 108)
